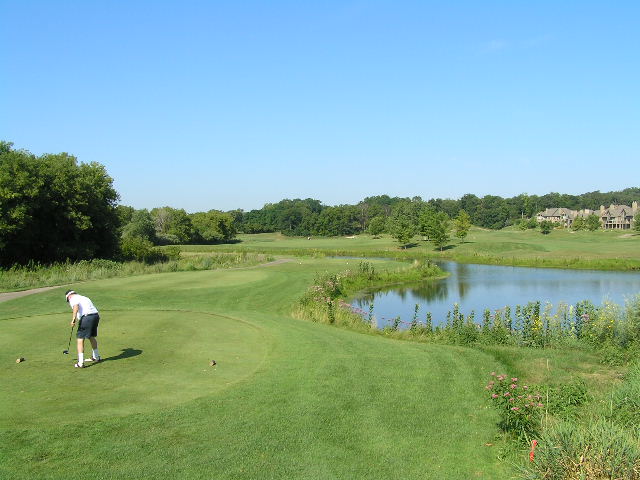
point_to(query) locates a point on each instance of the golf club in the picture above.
(66, 352)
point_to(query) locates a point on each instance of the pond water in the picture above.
(478, 287)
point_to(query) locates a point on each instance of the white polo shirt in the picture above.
(85, 306)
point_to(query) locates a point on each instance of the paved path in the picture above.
(11, 295)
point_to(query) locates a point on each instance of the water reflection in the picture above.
(479, 287)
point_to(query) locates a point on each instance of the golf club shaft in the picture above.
(69, 342)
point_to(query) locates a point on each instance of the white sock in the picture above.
(80, 358)
(96, 355)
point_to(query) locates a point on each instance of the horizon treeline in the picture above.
(310, 217)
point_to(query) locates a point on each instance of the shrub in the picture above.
(519, 406)
(141, 249)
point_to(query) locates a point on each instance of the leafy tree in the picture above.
(546, 226)
(53, 208)
(402, 224)
(578, 224)
(340, 220)
(427, 217)
(438, 230)
(593, 222)
(172, 225)
(462, 225)
(140, 226)
(213, 227)
(636, 222)
(377, 226)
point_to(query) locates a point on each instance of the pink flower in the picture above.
(514, 379)
(540, 405)
(495, 395)
(525, 387)
(513, 386)
(515, 409)
(506, 394)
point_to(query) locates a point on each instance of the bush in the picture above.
(142, 250)
(519, 406)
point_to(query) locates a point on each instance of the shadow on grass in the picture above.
(126, 353)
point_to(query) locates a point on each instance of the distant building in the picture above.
(616, 217)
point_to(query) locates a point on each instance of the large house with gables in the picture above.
(616, 217)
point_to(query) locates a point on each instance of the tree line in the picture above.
(54, 208)
(383, 214)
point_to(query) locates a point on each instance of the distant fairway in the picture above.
(606, 250)
(288, 399)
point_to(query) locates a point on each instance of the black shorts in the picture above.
(88, 326)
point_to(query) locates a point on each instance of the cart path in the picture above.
(23, 293)
(4, 297)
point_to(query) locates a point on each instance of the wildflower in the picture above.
(515, 409)
(513, 386)
(525, 387)
(495, 395)
(514, 379)
(540, 405)
(506, 394)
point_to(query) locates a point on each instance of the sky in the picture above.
(234, 104)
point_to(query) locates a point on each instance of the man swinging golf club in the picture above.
(86, 314)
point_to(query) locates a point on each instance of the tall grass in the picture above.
(36, 275)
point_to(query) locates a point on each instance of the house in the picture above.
(616, 217)
(565, 216)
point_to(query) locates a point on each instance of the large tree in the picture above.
(53, 208)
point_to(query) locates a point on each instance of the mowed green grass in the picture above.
(509, 243)
(288, 399)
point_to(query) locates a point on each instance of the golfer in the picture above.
(86, 314)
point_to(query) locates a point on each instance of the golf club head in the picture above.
(66, 352)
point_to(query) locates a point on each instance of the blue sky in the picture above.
(234, 104)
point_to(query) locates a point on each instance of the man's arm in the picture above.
(74, 316)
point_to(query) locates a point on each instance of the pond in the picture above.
(478, 287)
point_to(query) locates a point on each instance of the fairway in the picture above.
(288, 398)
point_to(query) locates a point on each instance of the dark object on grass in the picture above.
(66, 352)
(213, 363)
(19, 360)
